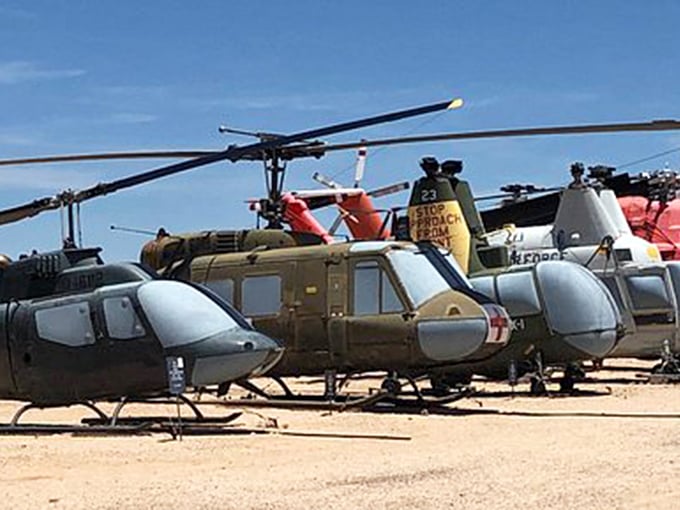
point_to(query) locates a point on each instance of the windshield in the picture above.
(648, 292)
(462, 279)
(674, 270)
(575, 300)
(181, 314)
(419, 277)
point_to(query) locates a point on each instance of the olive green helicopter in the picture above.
(556, 322)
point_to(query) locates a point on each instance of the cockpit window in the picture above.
(648, 292)
(373, 290)
(181, 314)
(420, 278)
(122, 322)
(613, 288)
(457, 271)
(674, 271)
(66, 324)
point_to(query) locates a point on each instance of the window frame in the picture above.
(384, 274)
(136, 310)
(242, 289)
(42, 334)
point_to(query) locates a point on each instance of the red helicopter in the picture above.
(651, 205)
(355, 206)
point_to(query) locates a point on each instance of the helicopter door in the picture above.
(336, 301)
(266, 299)
(134, 354)
(55, 341)
(309, 311)
(377, 333)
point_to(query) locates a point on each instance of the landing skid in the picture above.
(390, 395)
(102, 424)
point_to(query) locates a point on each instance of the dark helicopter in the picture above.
(275, 149)
(75, 330)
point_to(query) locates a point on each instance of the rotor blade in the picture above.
(234, 153)
(21, 212)
(388, 190)
(482, 198)
(524, 193)
(107, 156)
(655, 125)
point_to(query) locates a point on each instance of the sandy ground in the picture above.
(615, 448)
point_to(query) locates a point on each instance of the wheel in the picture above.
(537, 386)
(567, 384)
(391, 386)
(439, 386)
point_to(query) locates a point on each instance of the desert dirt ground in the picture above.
(614, 446)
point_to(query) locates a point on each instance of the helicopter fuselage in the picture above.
(104, 331)
(354, 307)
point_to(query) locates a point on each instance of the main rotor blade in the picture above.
(27, 210)
(235, 153)
(388, 190)
(507, 194)
(278, 141)
(655, 125)
(106, 156)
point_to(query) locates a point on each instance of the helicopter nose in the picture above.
(451, 340)
(579, 308)
(228, 355)
(596, 344)
(242, 354)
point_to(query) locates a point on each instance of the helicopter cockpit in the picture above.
(574, 304)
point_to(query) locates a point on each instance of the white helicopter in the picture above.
(589, 229)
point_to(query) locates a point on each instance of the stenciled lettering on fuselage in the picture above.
(518, 257)
(442, 223)
(436, 222)
(82, 281)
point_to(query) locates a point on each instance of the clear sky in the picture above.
(84, 76)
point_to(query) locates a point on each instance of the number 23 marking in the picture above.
(428, 195)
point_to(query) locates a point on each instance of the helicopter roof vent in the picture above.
(228, 241)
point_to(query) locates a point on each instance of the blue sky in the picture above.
(83, 76)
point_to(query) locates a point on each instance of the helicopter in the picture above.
(553, 324)
(273, 150)
(590, 228)
(649, 202)
(74, 330)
